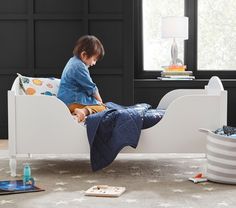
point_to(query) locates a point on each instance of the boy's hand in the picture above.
(98, 97)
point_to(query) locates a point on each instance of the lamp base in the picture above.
(177, 62)
(174, 55)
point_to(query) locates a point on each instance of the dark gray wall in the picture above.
(37, 38)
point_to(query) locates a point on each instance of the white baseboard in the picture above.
(4, 153)
(145, 156)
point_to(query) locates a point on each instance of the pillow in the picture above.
(39, 86)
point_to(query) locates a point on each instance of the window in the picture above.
(156, 51)
(210, 49)
(216, 35)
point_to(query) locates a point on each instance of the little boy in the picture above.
(77, 89)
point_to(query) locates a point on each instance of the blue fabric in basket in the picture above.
(228, 131)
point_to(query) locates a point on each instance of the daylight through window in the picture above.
(156, 51)
(216, 35)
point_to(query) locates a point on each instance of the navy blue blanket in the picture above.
(119, 126)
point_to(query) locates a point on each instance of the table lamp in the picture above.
(174, 27)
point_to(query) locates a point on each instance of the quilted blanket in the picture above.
(119, 126)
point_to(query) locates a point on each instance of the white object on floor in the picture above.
(43, 124)
(105, 191)
(198, 180)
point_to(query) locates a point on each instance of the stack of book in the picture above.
(176, 73)
(174, 68)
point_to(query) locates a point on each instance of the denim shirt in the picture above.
(76, 85)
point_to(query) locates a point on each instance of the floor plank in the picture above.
(3, 144)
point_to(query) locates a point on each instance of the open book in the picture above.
(16, 187)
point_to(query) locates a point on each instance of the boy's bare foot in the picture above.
(75, 117)
(80, 114)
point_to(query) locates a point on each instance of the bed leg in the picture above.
(13, 164)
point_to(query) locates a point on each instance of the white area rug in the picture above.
(150, 181)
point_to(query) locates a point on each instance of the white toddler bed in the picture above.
(43, 124)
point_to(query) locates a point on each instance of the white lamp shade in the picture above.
(174, 27)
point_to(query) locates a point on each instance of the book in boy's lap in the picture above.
(16, 187)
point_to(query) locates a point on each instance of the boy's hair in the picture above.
(91, 45)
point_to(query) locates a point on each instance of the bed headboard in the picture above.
(16, 87)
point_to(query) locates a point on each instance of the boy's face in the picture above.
(91, 61)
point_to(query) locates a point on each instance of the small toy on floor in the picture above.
(27, 179)
(105, 191)
(198, 178)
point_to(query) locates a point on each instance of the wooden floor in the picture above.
(3, 144)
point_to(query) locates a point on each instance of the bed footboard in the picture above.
(177, 132)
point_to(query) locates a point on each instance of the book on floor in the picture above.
(17, 187)
(199, 178)
(105, 191)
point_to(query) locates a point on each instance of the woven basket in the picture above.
(221, 158)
